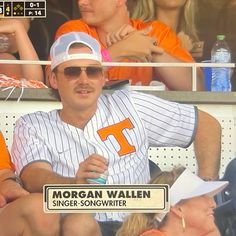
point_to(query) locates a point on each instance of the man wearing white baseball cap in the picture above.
(94, 133)
(59, 52)
(191, 208)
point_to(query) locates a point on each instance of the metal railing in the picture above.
(191, 65)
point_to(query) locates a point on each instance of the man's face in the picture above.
(79, 89)
(97, 12)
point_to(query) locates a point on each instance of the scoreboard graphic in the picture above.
(22, 9)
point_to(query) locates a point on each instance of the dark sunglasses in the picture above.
(74, 72)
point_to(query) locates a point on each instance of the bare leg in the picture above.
(25, 217)
(80, 225)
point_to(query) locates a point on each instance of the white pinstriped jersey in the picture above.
(123, 127)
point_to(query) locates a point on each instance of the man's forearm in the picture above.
(208, 146)
(35, 180)
(177, 78)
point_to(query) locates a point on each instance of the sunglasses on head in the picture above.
(73, 72)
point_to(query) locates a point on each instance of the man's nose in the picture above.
(212, 202)
(83, 77)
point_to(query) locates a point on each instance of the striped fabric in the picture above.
(123, 127)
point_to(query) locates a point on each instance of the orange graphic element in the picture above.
(116, 131)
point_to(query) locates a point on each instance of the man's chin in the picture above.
(90, 21)
(83, 103)
(83, 95)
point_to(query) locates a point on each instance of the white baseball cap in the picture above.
(189, 185)
(59, 51)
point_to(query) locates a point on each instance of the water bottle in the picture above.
(101, 180)
(4, 43)
(220, 53)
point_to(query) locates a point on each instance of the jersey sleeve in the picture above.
(166, 123)
(5, 159)
(28, 146)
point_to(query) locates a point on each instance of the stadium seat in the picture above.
(225, 213)
(154, 168)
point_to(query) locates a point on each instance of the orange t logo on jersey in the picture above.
(116, 131)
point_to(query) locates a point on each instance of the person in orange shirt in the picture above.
(5, 161)
(179, 15)
(137, 41)
(14, 39)
(24, 209)
(7, 177)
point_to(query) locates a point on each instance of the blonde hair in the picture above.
(146, 10)
(137, 223)
(143, 9)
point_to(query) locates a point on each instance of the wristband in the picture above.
(105, 55)
(14, 178)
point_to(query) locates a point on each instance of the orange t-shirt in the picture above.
(166, 39)
(153, 232)
(5, 160)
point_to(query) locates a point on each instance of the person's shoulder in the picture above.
(126, 96)
(129, 94)
(121, 93)
(153, 232)
(74, 22)
(156, 24)
(117, 96)
(2, 142)
(140, 24)
(36, 116)
(137, 23)
(74, 25)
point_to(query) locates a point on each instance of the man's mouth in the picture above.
(84, 10)
(83, 91)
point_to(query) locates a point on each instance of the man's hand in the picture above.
(92, 167)
(186, 41)
(197, 50)
(136, 46)
(10, 191)
(12, 28)
(119, 34)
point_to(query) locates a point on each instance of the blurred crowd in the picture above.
(196, 23)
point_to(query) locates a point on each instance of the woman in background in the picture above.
(178, 14)
(191, 208)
